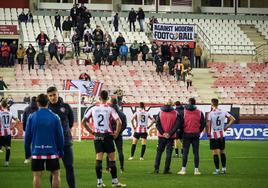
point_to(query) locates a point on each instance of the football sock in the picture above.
(223, 160)
(7, 154)
(113, 169)
(99, 169)
(177, 151)
(216, 161)
(143, 148)
(133, 148)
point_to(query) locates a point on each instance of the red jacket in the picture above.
(194, 121)
(5, 51)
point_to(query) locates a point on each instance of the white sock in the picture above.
(196, 170)
(114, 180)
(217, 170)
(100, 181)
(223, 168)
(183, 169)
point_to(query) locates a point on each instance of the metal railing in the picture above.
(261, 55)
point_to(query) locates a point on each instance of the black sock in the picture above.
(143, 148)
(113, 169)
(99, 169)
(7, 154)
(133, 148)
(223, 160)
(182, 151)
(216, 161)
(176, 151)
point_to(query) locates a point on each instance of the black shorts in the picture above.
(51, 164)
(104, 143)
(217, 144)
(5, 141)
(140, 135)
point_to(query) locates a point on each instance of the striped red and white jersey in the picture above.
(5, 122)
(217, 119)
(142, 117)
(102, 114)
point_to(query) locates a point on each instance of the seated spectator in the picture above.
(67, 27)
(123, 51)
(84, 76)
(30, 52)
(119, 41)
(89, 47)
(42, 39)
(27, 98)
(30, 17)
(41, 60)
(21, 54)
(22, 17)
(97, 55)
(98, 29)
(53, 51)
(62, 51)
(134, 50)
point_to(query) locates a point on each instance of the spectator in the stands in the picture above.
(116, 21)
(105, 52)
(55, 40)
(164, 51)
(5, 54)
(185, 50)
(87, 38)
(76, 43)
(141, 17)
(107, 38)
(179, 69)
(86, 16)
(20, 55)
(84, 76)
(67, 27)
(134, 50)
(53, 51)
(177, 54)
(189, 78)
(26, 98)
(30, 17)
(98, 39)
(10, 100)
(42, 39)
(13, 53)
(171, 65)
(41, 60)
(123, 51)
(57, 21)
(159, 64)
(119, 95)
(153, 20)
(97, 55)
(144, 51)
(155, 50)
(87, 29)
(132, 16)
(98, 29)
(165, 69)
(62, 49)
(112, 54)
(82, 9)
(170, 51)
(186, 65)
(81, 26)
(74, 14)
(198, 53)
(30, 52)
(22, 17)
(119, 41)
(89, 47)
(3, 86)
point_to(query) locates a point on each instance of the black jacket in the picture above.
(65, 112)
(123, 119)
(41, 59)
(144, 49)
(28, 111)
(67, 25)
(52, 48)
(30, 54)
(74, 12)
(116, 20)
(141, 15)
(13, 48)
(132, 16)
(120, 40)
(38, 39)
(97, 54)
(57, 21)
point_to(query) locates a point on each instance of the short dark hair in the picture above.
(104, 95)
(113, 101)
(192, 101)
(33, 99)
(4, 103)
(52, 89)
(42, 100)
(177, 103)
(142, 105)
(215, 102)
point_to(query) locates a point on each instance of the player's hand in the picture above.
(226, 128)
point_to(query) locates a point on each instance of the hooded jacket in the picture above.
(27, 112)
(168, 121)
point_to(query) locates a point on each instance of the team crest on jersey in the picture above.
(62, 109)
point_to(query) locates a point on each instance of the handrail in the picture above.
(205, 38)
(261, 52)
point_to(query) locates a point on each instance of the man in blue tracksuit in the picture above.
(65, 112)
(123, 50)
(44, 132)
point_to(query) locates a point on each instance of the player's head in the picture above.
(53, 95)
(4, 103)
(142, 106)
(177, 103)
(215, 102)
(42, 100)
(192, 101)
(114, 101)
(104, 96)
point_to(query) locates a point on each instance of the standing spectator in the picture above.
(57, 21)
(2, 86)
(189, 78)
(53, 51)
(194, 123)
(20, 55)
(97, 55)
(76, 41)
(62, 51)
(186, 65)
(132, 16)
(30, 52)
(185, 50)
(112, 54)
(87, 38)
(164, 51)
(154, 49)
(82, 9)
(30, 17)
(1, 57)
(44, 129)
(153, 20)
(55, 40)
(179, 69)
(67, 27)
(98, 29)
(74, 14)
(107, 38)
(98, 39)
(116, 21)
(42, 39)
(22, 17)
(176, 53)
(167, 123)
(170, 51)
(13, 53)
(159, 64)
(171, 66)
(123, 51)
(119, 95)
(26, 113)
(5, 54)
(26, 98)
(198, 53)
(134, 50)
(41, 60)
(86, 17)
(144, 51)
(165, 69)
(81, 26)
(105, 52)
(141, 17)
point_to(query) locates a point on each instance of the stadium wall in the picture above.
(14, 4)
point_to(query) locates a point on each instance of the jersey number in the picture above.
(6, 121)
(100, 120)
(143, 118)
(218, 121)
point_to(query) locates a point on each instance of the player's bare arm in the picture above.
(231, 122)
(152, 123)
(84, 122)
(118, 128)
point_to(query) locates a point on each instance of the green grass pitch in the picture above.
(247, 166)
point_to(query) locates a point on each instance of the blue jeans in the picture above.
(42, 67)
(141, 22)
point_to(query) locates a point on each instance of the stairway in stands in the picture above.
(256, 37)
